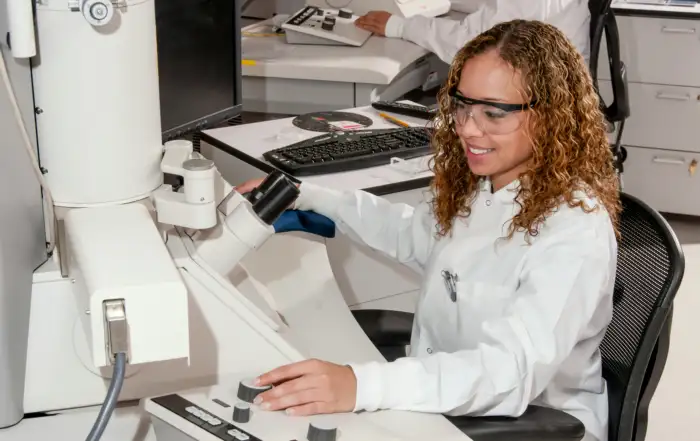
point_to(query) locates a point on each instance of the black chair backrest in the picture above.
(649, 271)
(603, 23)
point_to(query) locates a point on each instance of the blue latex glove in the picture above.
(307, 221)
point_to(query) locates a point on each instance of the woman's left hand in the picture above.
(309, 387)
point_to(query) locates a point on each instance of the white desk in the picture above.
(367, 279)
(295, 79)
(127, 424)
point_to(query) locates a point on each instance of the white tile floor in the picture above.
(675, 407)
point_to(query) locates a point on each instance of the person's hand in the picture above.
(374, 21)
(309, 387)
(248, 186)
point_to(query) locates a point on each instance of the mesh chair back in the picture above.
(649, 271)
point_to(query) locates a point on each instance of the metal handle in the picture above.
(670, 161)
(672, 96)
(677, 30)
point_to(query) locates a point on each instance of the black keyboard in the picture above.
(345, 151)
(413, 110)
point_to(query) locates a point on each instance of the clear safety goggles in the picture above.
(491, 117)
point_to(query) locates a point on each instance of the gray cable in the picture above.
(115, 387)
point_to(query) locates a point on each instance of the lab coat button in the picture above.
(430, 350)
(488, 202)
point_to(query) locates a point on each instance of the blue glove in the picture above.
(307, 221)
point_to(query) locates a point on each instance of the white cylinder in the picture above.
(98, 105)
(20, 23)
(199, 181)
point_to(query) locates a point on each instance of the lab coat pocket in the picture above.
(480, 301)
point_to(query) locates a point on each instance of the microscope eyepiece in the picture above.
(264, 186)
(274, 197)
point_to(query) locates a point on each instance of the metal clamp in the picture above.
(116, 329)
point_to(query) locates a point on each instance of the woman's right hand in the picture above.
(248, 186)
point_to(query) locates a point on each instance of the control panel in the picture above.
(226, 412)
(203, 419)
(319, 26)
(402, 8)
(240, 413)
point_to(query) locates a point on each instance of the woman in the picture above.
(445, 36)
(517, 247)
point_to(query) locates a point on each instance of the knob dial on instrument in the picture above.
(247, 390)
(322, 432)
(327, 26)
(97, 12)
(345, 13)
(241, 413)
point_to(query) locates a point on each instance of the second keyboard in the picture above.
(344, 151)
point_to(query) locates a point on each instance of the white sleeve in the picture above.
(445, 37)
(400, 231)
(565, 296)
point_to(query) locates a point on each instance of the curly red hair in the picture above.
(567, 129)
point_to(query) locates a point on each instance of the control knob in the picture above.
(345, 13)
(321, 432)
(97, 12)
(327, 25)
(241, 413)
(247, 390)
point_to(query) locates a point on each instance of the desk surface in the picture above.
(624, 7)
(248, 142)
(378, 61)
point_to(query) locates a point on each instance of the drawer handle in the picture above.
(677, 30)
(670, 161)
(672, 96)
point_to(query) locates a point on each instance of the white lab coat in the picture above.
(445, 37)
(527, 321)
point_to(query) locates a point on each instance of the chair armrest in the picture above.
(385, 328)
(536, 424)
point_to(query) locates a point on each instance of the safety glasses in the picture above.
(491, 117)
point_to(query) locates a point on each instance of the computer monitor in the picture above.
(199, 64)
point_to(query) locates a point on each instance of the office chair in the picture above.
(650, 267)
(603, 23)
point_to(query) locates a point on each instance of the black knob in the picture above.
(247, 391)
(345, 13)
(319, 11)
(330, 20)
(327, 26)
(241, 413)
(322, 432)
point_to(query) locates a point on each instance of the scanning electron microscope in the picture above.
(151, 292)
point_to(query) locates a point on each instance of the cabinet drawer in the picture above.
(663, 179)
(657, 50)
(666, 117)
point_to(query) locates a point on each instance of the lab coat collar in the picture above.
(505, 195)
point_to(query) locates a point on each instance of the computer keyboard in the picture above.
(344, 151)
(415, 111)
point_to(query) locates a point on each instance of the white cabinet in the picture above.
(662, 135)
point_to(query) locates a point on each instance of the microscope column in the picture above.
(98, 103)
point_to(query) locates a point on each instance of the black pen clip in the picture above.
(450, 284)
